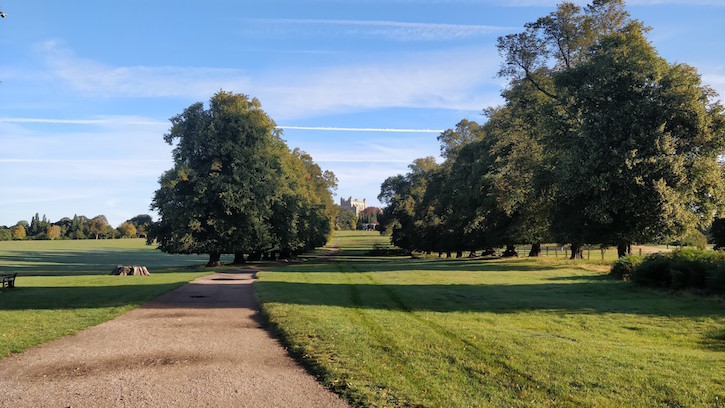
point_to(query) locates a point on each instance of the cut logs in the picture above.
(122, 270)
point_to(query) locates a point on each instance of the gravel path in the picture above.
(199, 345)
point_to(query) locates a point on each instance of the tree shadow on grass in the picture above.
(582, 297)
(57, 263)
(372, 265)
(715, 340)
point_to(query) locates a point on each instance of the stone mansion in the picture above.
(353, 204)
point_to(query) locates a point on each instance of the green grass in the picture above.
(459, 332)
(86, 256)
(64, 286)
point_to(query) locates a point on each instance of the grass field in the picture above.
(449, 332)
(64, 286)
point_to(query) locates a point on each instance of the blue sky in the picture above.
(364, 86)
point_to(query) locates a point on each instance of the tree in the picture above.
(452, 140)
(142, 222)
(718, 233)
(632, 141)
(346, 219)
(127, 230)
(18, 232)
(235, 187)
(5, 234)
(98, 225)
(404, 196)
(53, 232)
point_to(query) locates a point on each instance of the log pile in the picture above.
(135, 270)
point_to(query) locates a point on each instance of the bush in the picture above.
(682, 269)
(622, 269)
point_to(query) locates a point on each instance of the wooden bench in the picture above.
(8, 281)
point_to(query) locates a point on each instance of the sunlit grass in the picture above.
(459, 332)
(64, 286)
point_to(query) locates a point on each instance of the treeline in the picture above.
(600, 141)
(236, 188)
(78, 227)
(366, 219)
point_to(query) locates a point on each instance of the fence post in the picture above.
(640, 251)
(556, 251)
(589, 254)
(602, 254)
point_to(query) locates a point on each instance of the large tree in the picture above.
(235, 187)
(632, 141)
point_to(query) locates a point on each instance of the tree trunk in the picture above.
(510, 251)
(284, 255)
(448, 254)
(239, 258)
(214, 260)
(488, 252)
(535, 249)
(459, 254)
(472, 254)
(624, 249)
(440, 254)
(577, 251)
(254, 256)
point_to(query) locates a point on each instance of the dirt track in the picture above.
(199, 345)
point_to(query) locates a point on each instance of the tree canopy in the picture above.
(236, 187)
(600, 141)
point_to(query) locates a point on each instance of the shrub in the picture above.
(622, 268)
(682, 269)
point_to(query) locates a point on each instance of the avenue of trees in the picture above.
(78, 227)
(600, 141)
(236, 188)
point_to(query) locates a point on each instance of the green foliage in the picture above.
(600, 141)
(683, 269)
(346, 220)
(236, 187)
(623, 267)
(18, 232)
(127, 230)
(718, 233)
(5, 234)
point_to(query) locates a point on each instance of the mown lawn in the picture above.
(459, 332)
(64, 286)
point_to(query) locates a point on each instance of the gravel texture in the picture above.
(199, 345)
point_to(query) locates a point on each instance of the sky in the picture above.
(364, 86)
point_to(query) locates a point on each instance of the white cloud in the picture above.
(348, 129)
(94, 78)
(394, 30)
(456, 80)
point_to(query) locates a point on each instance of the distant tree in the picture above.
(142, 222)
(18, 232)
(368, 216)
(127, 230)
(718, 233)
(98, 226)
(346, 220)
(53, 232)
(65, 224)
(79, 227)
(5, 234)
